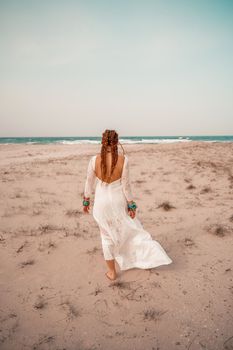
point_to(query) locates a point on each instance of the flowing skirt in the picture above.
(123, 238)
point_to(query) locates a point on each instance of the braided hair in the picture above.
(109, 138)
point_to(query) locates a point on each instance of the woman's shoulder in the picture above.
(92, 160)
(122, 156)
(94, 157)
(125, 157)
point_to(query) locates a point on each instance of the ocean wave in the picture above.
(153, 141)
(74, 142)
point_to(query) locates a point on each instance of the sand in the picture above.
(53, 290)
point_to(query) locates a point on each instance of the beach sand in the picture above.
(53, 290)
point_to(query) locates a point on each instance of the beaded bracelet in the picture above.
(86, 201)
(132, 206)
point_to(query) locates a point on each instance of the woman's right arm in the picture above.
(89, 183)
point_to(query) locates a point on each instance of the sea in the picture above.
(72, 140)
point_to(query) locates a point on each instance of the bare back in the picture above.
(117, 172)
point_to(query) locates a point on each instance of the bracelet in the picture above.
(86, 201)
(132, 206)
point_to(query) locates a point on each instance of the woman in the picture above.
(123, 237)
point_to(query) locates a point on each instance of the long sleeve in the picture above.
(126, 186)
(90, 179)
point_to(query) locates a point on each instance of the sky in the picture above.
(143, 68)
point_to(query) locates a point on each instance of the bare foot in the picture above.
(111, 275)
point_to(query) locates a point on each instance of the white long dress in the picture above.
(123, 238)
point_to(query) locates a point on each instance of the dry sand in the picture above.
(53, 290)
